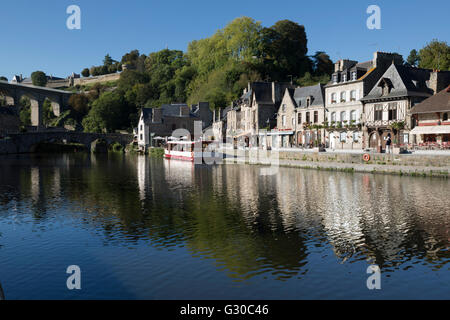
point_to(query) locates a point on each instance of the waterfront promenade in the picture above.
(432, 164)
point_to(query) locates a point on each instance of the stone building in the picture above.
(301, 112)
(162, 122)
(233, 124)
(219, 126)
(431, 118)
(259, 106)
(350, 82)
(387, 107)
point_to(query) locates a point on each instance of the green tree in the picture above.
(47, 112)
(39, 78)
(80, 104)
(108, 61)
(3, 78)
(131, 58)
(85, 73)
(322, 64)
(129, 78)
(283, 50)
(25, 111)
(108, 113)
(413, 58)
(435, 55)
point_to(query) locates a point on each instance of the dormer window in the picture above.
(385, 90)
(386, 86)
(344, 77)
(308, 101)
(335, 78)
(354, 76)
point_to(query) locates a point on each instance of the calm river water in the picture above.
(142, 228)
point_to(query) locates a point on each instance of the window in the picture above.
(283, 118)
(445, 117)
(406, 138)
(354, 76)
(343, 96)
(333, 117)
(386, 89)
(355, 136)
(142, 137)
(343, 136)
(335, 78)
(353, 95)
(344, 77)
(283, 109)
(308, 120)
(316, 116)
(353, 115)
(333, 98)
(343, 116)
(299, 118)
(392, 111)
(142, 127)
(378, 112)
(308, 101)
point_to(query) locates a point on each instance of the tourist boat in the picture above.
(185, 150)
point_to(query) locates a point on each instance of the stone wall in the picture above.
(98, 79)
(375, 158)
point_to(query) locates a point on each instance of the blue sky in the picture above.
(34, 35)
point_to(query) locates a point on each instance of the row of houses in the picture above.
(157, 124)
(362, 105)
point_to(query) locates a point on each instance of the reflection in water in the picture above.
(247, 224)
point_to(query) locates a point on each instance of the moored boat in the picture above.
(187, 150)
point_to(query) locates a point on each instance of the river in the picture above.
(144, 228)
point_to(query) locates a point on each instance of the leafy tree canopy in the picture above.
(39, 78)
(435, 55)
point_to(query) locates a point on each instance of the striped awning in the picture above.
(431, 130)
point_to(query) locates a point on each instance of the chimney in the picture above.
(337, 66)
(438, 81)
(157, 115)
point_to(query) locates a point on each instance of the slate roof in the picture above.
(438, 103)
(263, 92)
(147, 113)
(405, 81)
(299, 95)
(172, 110)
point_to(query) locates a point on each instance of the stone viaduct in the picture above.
(13, 92)
(27, 142)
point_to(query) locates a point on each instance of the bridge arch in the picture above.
(59, 99)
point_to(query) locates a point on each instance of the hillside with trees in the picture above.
(214, 69)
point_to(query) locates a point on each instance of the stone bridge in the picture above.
(27, 142)
(13, 92)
